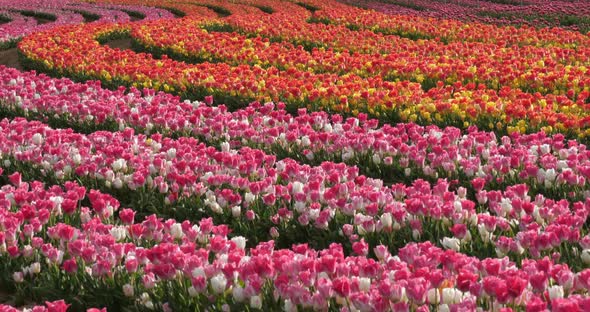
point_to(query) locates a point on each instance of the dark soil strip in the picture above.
(9, 58)
(121, 44)
(88, 16)
(307, 6)
(265, 9)
(220, 11)
(134, 15)
(4, 19)
(177, 13)
(40, 17)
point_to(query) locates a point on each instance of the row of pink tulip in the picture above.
(12, 29)
(66, 14)
(20, 26)
(171, 265)
(114, 12)
(474, 10)
(406, 151)
(49, 306)
(263, 198)
(451, 30)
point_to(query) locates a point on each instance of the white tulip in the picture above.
(256, 302)
(218, 283)
(451, 243)
(364, 284)
(37, 139)
(240, 242)
(176, 231)
(128, 290)
(555, 291)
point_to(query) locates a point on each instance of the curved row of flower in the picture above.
(532, 69)
(172, 265)
(88, 58)
(406, 151)
(390, 101)
(223, 7)
(530, 13)
(263, 199)
(65, 14)
(54, 306)
(112, 12)
(449, 30)
(543, 69)
(20, 25)
(12, 26)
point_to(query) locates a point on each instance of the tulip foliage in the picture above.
(278, 155)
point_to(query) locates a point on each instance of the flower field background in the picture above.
(244, 155)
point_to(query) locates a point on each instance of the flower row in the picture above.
(512, 12)
(548, 70)
(390, 101)
(65, 14)
(175, 265)
(549, 164)
(263, 199)
(395, 154)
(448, 30)
(20, 25)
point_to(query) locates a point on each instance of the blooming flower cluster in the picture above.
(118, 194)
(49, 306)
(380, 152)
(449, 30)
(64, 13)
(170, 264)
(459, 97)
(362, 198)
(509, 12)
(20, 25)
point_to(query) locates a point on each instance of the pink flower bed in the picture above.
(471, 10)
(65, 13)
(128, 199)
(103, 245)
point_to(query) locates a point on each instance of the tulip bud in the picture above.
(364, 284)
(18, 277)
(171, 153)
(451, 243)
(256, 302)
(176, 231)
(381, 252)
(240, 242)
(238, 293)
(555, 291)
(37, 138)
(376, 159)
(35, 268)
(386, 220)
(128, 290)
(225, 147)
(289, 306)
(236, 211)
(192, 292)
(218, 283)
(274, 233)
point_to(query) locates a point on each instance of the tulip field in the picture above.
(294, 155)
